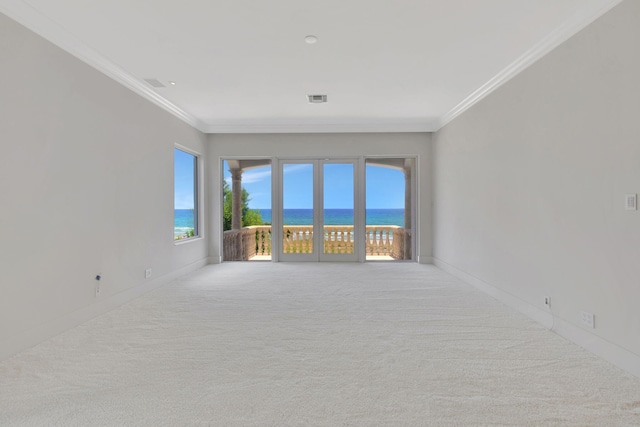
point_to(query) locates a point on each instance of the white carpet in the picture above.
(262, 344)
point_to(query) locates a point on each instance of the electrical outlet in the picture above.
(98, 278)
(547, 302)
(147, 273)
(588, 319)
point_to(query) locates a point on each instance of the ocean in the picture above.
(182, 221)
(339, 216)
(183, 218)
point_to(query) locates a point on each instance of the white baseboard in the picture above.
(425, 260)
(613, 353)
(32, 337)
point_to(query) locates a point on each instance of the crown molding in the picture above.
(275, 126)
(40, 24)
(568, 29)
(51, 31)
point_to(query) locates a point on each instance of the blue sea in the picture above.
(339, 216)
(184, 217)
(182, 221)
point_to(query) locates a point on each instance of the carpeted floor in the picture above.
(314, 344)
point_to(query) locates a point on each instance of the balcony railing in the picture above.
(381, 240)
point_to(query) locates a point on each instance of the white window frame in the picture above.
(197, 200)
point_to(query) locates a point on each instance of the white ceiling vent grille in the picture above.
(317, 99)
(154, 82)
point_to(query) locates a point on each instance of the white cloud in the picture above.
(257, 176)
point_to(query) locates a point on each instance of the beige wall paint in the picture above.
(86, 187)
(323, 145)
(529, 184)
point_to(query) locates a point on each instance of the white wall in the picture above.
(323, 145)
(86, 187)
(529, 184)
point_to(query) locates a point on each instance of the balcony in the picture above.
(388, 242)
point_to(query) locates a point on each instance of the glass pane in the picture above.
(246, 220)
(338, 208)
(388, 208)
(185, 202)
(297, 202)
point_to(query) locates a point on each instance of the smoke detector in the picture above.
(317, 99)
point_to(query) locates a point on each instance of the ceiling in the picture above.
(243, 66)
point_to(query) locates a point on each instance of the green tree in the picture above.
(249, 216)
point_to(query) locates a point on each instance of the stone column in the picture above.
(236, 197)
(407, 212)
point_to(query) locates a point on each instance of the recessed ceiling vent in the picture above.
(317, 99)
(154, 82)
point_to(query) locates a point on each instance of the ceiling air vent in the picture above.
(154, 82)
(317, 99)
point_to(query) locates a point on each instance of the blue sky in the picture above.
(385, 187)
(183, 180)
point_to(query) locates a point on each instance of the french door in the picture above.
(319, 217)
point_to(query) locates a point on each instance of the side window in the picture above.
(185, 207)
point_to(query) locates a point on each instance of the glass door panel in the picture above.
(338, 208)
(298, 211)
